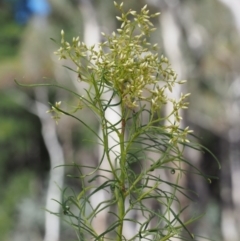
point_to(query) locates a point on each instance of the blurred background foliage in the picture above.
(211, 53)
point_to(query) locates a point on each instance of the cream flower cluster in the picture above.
(129, 65)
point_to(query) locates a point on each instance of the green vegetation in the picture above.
(10, 34)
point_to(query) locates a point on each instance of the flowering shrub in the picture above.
(127, 68)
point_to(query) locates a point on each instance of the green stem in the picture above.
(121, 212)
(104, 127)
(121, 189)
